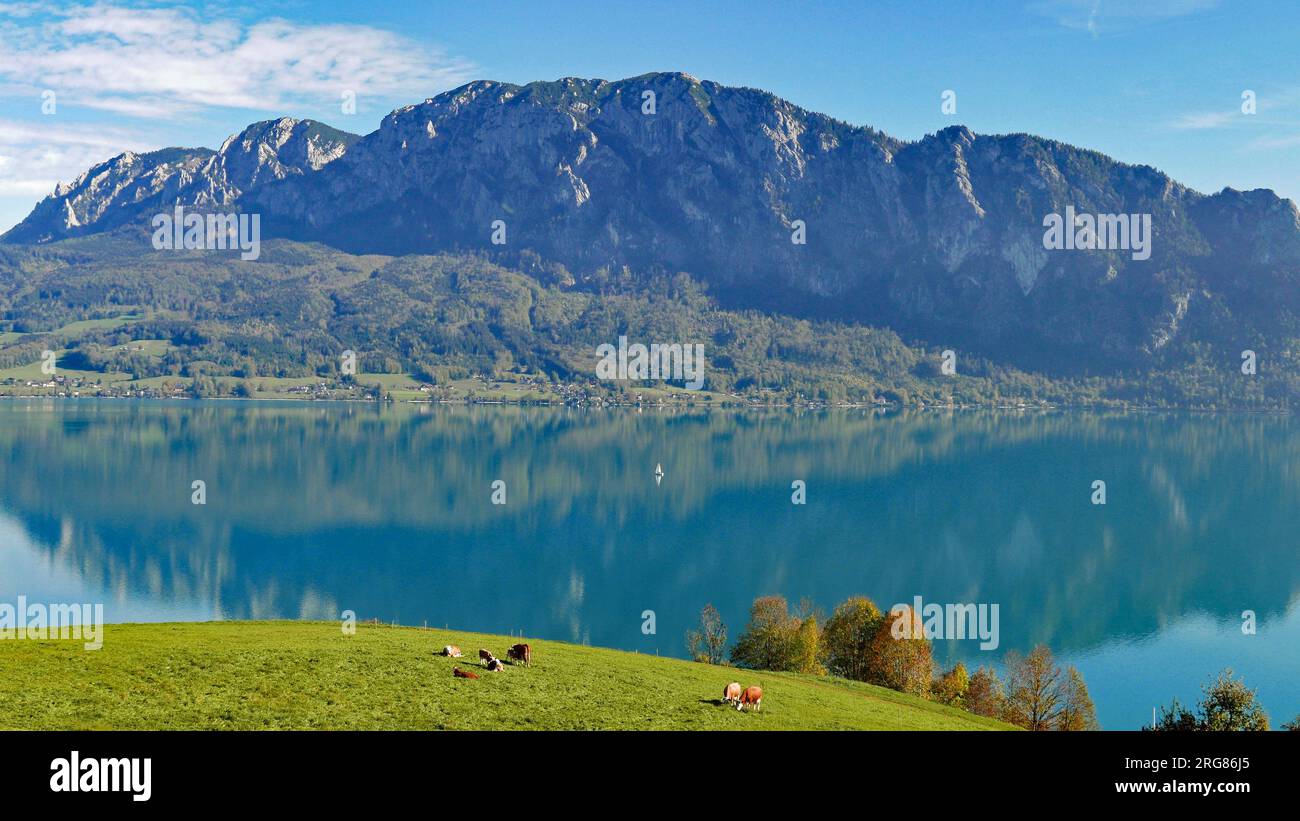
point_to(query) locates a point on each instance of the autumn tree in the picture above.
(952, 686)
(846, 638)
(776, 639)
(765, 644)
(1035, 692)
(805, 651)
(984, 694)
(1077, 711)
(708, 644)
(901, 657)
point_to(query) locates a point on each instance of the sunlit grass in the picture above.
(309, 675)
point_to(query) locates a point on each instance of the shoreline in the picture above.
(889, 408)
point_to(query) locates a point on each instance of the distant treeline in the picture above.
(294, 313)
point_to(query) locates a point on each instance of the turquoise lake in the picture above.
(313, 509)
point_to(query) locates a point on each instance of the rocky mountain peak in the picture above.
(773, 205)
(131, 185)
(273, 150)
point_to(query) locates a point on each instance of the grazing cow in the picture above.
(520, 652)
(452, 650)
(753, 695)
(459, 673)
(495, 666)
(485, 656)
(731, 692)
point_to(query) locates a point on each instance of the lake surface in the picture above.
(313, 509)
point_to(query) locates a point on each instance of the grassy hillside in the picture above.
(305, 675)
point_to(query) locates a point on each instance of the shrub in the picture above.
(1175, 717)
(1226, 705)
(1229, 704)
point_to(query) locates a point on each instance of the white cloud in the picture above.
(24, 9)
(1206, 119)
(1274, 108)
(147, 66)
(163, 62)
(1274, 142)
(34, 157)
(1099, 16)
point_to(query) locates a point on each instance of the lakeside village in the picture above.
(629, 375)
(475, 389)
(496, 389)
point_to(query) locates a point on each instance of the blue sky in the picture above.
(1149, 81)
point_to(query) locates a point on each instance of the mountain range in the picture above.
(940, 239)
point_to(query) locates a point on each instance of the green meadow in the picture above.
(309, 675)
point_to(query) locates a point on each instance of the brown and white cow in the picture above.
(753, 695)
(731, 692)
(452, 650)
(520, 652)
(485, 656)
